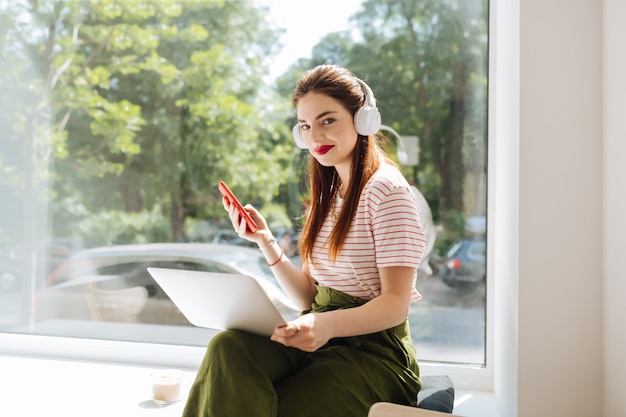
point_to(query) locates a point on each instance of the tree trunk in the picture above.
(453, 168)
(130, 189)
(177, 217)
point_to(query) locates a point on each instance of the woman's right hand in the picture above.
(261, 237)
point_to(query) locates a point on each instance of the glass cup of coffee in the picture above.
(166, 386)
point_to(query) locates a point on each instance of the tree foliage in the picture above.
(139, 108)
(153, 103)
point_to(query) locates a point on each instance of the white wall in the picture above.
(560, 224)
(560, 245)
(614, 207)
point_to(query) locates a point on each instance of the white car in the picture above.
(115, 270)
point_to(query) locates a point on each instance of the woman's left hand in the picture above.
(301, 334)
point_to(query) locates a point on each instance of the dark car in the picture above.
(118, 275)
(464, 263)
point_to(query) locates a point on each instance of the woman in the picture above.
(361, 245)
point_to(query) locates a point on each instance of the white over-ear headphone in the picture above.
(367, 120)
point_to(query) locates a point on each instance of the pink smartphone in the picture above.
(251, 225)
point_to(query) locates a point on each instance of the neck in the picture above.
(343, 180)
(338, 184)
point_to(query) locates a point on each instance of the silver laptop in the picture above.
(220, 301)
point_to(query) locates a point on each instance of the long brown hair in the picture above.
(340, 84)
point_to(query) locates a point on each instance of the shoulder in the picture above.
(386, 181)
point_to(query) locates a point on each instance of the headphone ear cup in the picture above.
(403, 158)
(367, 120)
(297, 137)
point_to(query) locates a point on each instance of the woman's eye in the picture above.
(328, 121)
(304, 127)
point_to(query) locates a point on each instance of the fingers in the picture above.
(290, 330)
(226, 203)
(238, 222)
(286, 335)
(294, 329)
(291, 335)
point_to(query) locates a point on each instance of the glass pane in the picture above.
(119, 118)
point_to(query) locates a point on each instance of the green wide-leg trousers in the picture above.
(243, 374)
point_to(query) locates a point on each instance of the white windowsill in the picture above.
(82, 340)
(77, 377)
(44, 386)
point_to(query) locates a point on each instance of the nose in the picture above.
(314, 134)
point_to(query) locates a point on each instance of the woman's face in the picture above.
(327, 129)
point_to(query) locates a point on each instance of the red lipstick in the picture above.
(323, 150)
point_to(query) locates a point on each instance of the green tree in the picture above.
(154, 103)
(427, 67)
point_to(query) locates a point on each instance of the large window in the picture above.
(119, 118)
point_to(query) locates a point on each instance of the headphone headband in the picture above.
(370, 100)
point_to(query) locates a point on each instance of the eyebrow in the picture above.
(321, 115)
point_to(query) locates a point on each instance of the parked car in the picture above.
(229, 237)
(68, 292)
(464, 263)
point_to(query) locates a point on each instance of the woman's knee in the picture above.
(228, 342)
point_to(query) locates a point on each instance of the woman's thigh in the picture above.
(338, 381)
(238, 352)
(237, 376)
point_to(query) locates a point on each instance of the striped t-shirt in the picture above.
(386, 231)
